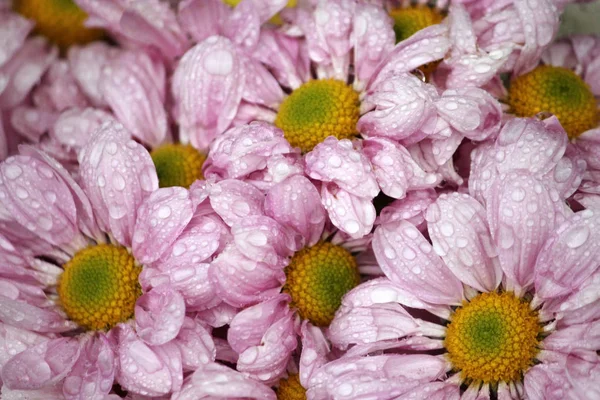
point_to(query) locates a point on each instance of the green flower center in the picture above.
(291, 389)
(317, 278)
(556, 90)
(409, 20)
(493, 338)
(316, 110)
(99, 287)
(177, 165)
(61, 21)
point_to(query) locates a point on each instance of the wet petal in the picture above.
(195, 344)
(202, 18)
(315, 348)
(235, 200)
(159, 315)
(86, 64)
(351, 214)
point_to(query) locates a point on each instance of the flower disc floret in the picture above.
(317, 278)
(177, 165)
(291, 389)
(316, 110)
(99, 287)
(61, 21)
(409, 20)
(558, 91)
(493, 338)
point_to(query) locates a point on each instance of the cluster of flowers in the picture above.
(326, 199)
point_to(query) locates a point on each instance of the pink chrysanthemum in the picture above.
(74, 316)
(502, 290)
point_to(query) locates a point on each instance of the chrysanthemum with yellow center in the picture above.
(410, 20)
(558, 91)
(493, 338)
(177, 165)
(317, 278)
(276, 19)
(61, 21)
(291, 389)
(99, 287)
(316, 110)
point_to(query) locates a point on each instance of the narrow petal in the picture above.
(170, 356)
(351, 214)
(207, 89)
(569, 257)
(117, 175)
(202, 18)
(459, 231)
(575, 337)
(315, 349)
(568, 172)
(260, 87)
(159, 315)
(195, 344)
(93, 374)
(433, 391)
(409, 261)
(161, 218)
(42, 365)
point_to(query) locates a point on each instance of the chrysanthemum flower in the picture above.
(503, 294)
(81, 317)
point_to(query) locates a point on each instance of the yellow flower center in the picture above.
(493, 338)
(409, 20)
(316, 110)
(177, 165)
(276, 19)
(99, 286)
(291, 389)
(61, 21)
(556, 90)
(317, 278)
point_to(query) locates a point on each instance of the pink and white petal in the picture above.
(483, 172)
(522, 214)
(315, 349)
(267, 361)
(250, 325)
(170, 355)
(549, 381)
(592, 75)
(42, 365)
(218, 316)
(476, 69)
(459, 231)
(260, 87)
(38, 199)
(433, 391)
(375, 323)
(202, 18)
(48, 393)
(86, 64)
(427, 45)
(573, 338)
(411, 208)
(93, 374)
(117, 174)
(372, 38)
(412, 343)
(380, 377)
(14, 29)
(159, 315)
(207, 88)
(461, 33)
(397, 107)
(24, 70)
(408, 260)
(15, 340)
(141, 370)
(569, 256)
(242, 26)
(589, 144)
(585, 295)
(225, 352)
(240, 281)
(235, 200)
(161, 218)
(195, 344)
(351, 214)
(263, 239)
(216, 381)
(75, 127)
(296, 203)
(266, 9)
(337, 161)
(32, 122)
(568, 172)
(58, 89)
(133, 85)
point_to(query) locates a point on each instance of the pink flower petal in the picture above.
(459, 231)
(434, 391)
(195, 344)
(160, 220)
(86, 65)
(117, 174)
(351, 214)
(522, 214)
(207, 89)
(42, 365)
(295, 202)
(159, 315)
(315, 348)
(411, 208)
(568, 172)
(235, 200)
(574, 338)
(409, 261)
(75, 127)
(15, 340)
(569, 257)
(337, 161)
(133, 85)
(141, 369)
(202, 18)
(14, 29)
(58, 90)
(216, 381)
(260, 87)
(93, 374)
(170, 355)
